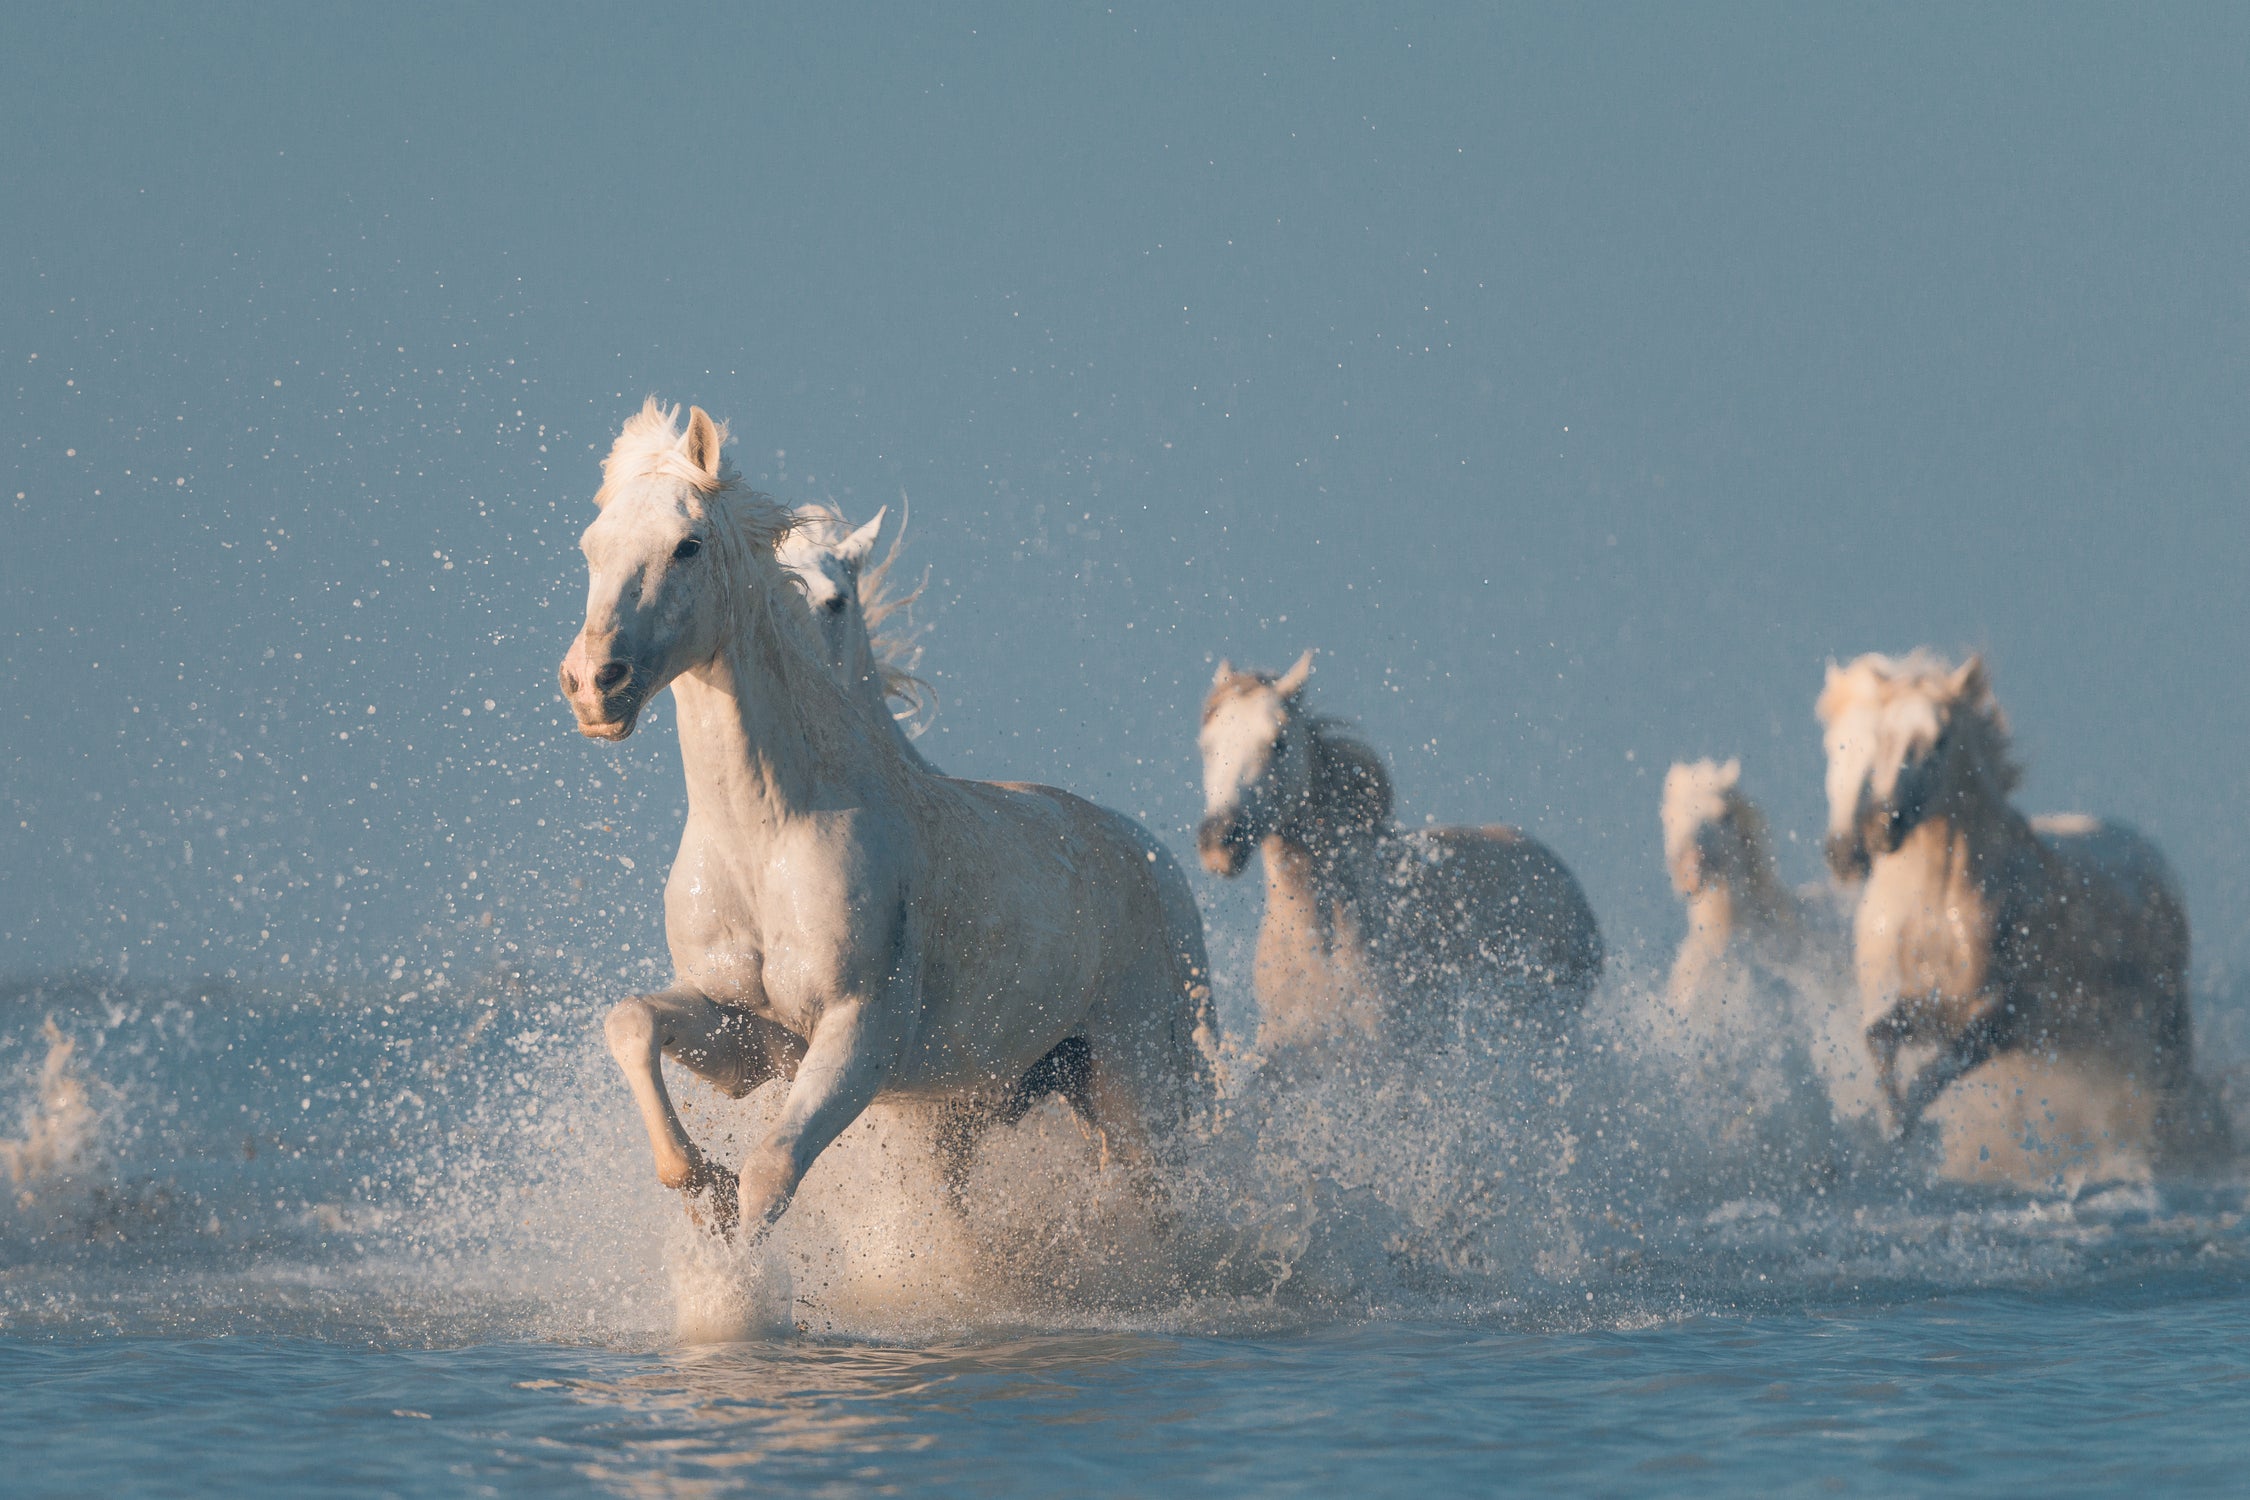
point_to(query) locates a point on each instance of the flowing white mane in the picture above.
(1875, 681)
(648, 447)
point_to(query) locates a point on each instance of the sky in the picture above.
(1577, 380)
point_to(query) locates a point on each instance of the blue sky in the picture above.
(1576, 379)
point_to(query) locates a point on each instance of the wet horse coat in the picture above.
(839, 915)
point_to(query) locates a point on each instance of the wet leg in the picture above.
(734, 1049)
(1976, 1042)
(845, 1066)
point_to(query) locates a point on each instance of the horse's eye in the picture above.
(688, 547)
(836, 605)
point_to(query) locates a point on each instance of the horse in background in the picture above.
(1721, 862)
(857, 614)
(1764, 971)
(1370, 929)
(840, 916)
(1986, 935)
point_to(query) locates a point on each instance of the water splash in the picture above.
(424, 1168)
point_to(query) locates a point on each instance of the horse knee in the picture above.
(630, 1029)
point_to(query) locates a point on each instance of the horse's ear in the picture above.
(855, 548)
(1970, 682)
(1292, 682)
(1730, 774)
(1823, 704)
(1226, 670)
(702, 443)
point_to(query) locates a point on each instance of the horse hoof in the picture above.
(712, 1204)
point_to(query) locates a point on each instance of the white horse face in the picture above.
(829, 571)
(1887, 749)
(650, 594)
(1257, 767)
(1702, 836)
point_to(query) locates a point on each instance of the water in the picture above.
(2062, 1391)
(275, 1242)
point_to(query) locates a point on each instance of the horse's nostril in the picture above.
(612, 676)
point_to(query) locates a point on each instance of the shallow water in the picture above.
(2064, 1391)
(403, 1242)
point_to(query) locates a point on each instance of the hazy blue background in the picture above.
(1576, 379)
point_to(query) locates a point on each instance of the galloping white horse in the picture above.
(838, 915)
(1369, 927)
(852, 608)
(1980, 930)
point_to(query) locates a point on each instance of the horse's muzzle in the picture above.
(1223, 844)
(605, 696)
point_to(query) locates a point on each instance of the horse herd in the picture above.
(845, 917)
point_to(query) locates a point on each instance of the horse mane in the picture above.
(1349, 780)
(648, 447)
(1692, 784)
(1879, 680)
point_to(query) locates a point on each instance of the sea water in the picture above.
(382, 1240)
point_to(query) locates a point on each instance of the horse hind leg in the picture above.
(1066, 1071)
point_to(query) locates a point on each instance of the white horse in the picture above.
(1982, 931)
(1763, 975)
(854, 611)
(1369, 927)
(838, 915)
(1739, 914)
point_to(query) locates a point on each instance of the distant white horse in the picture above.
(1763, 976)
(1367, 926)
(854, 611)
(1984, 932)
(1740, 916)
(837, 914)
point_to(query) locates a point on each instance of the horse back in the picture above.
(1515, 897)
(2110, 908)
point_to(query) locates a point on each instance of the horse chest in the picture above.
(1924, 940)
(775, 924)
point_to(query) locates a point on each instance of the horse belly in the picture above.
(1002, 985)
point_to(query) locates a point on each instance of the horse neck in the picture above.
(745, 739)
(1755, 895)
(1323, 859)
(1971, 836)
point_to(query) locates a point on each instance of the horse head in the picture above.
(1257, 761)
(1903, 736)
(1712, 835)
(825, 555)
(656, 559)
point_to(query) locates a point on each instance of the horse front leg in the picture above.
(1969, 1048)
(732, 1048)
(1884, 1037)
(845, 1066)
